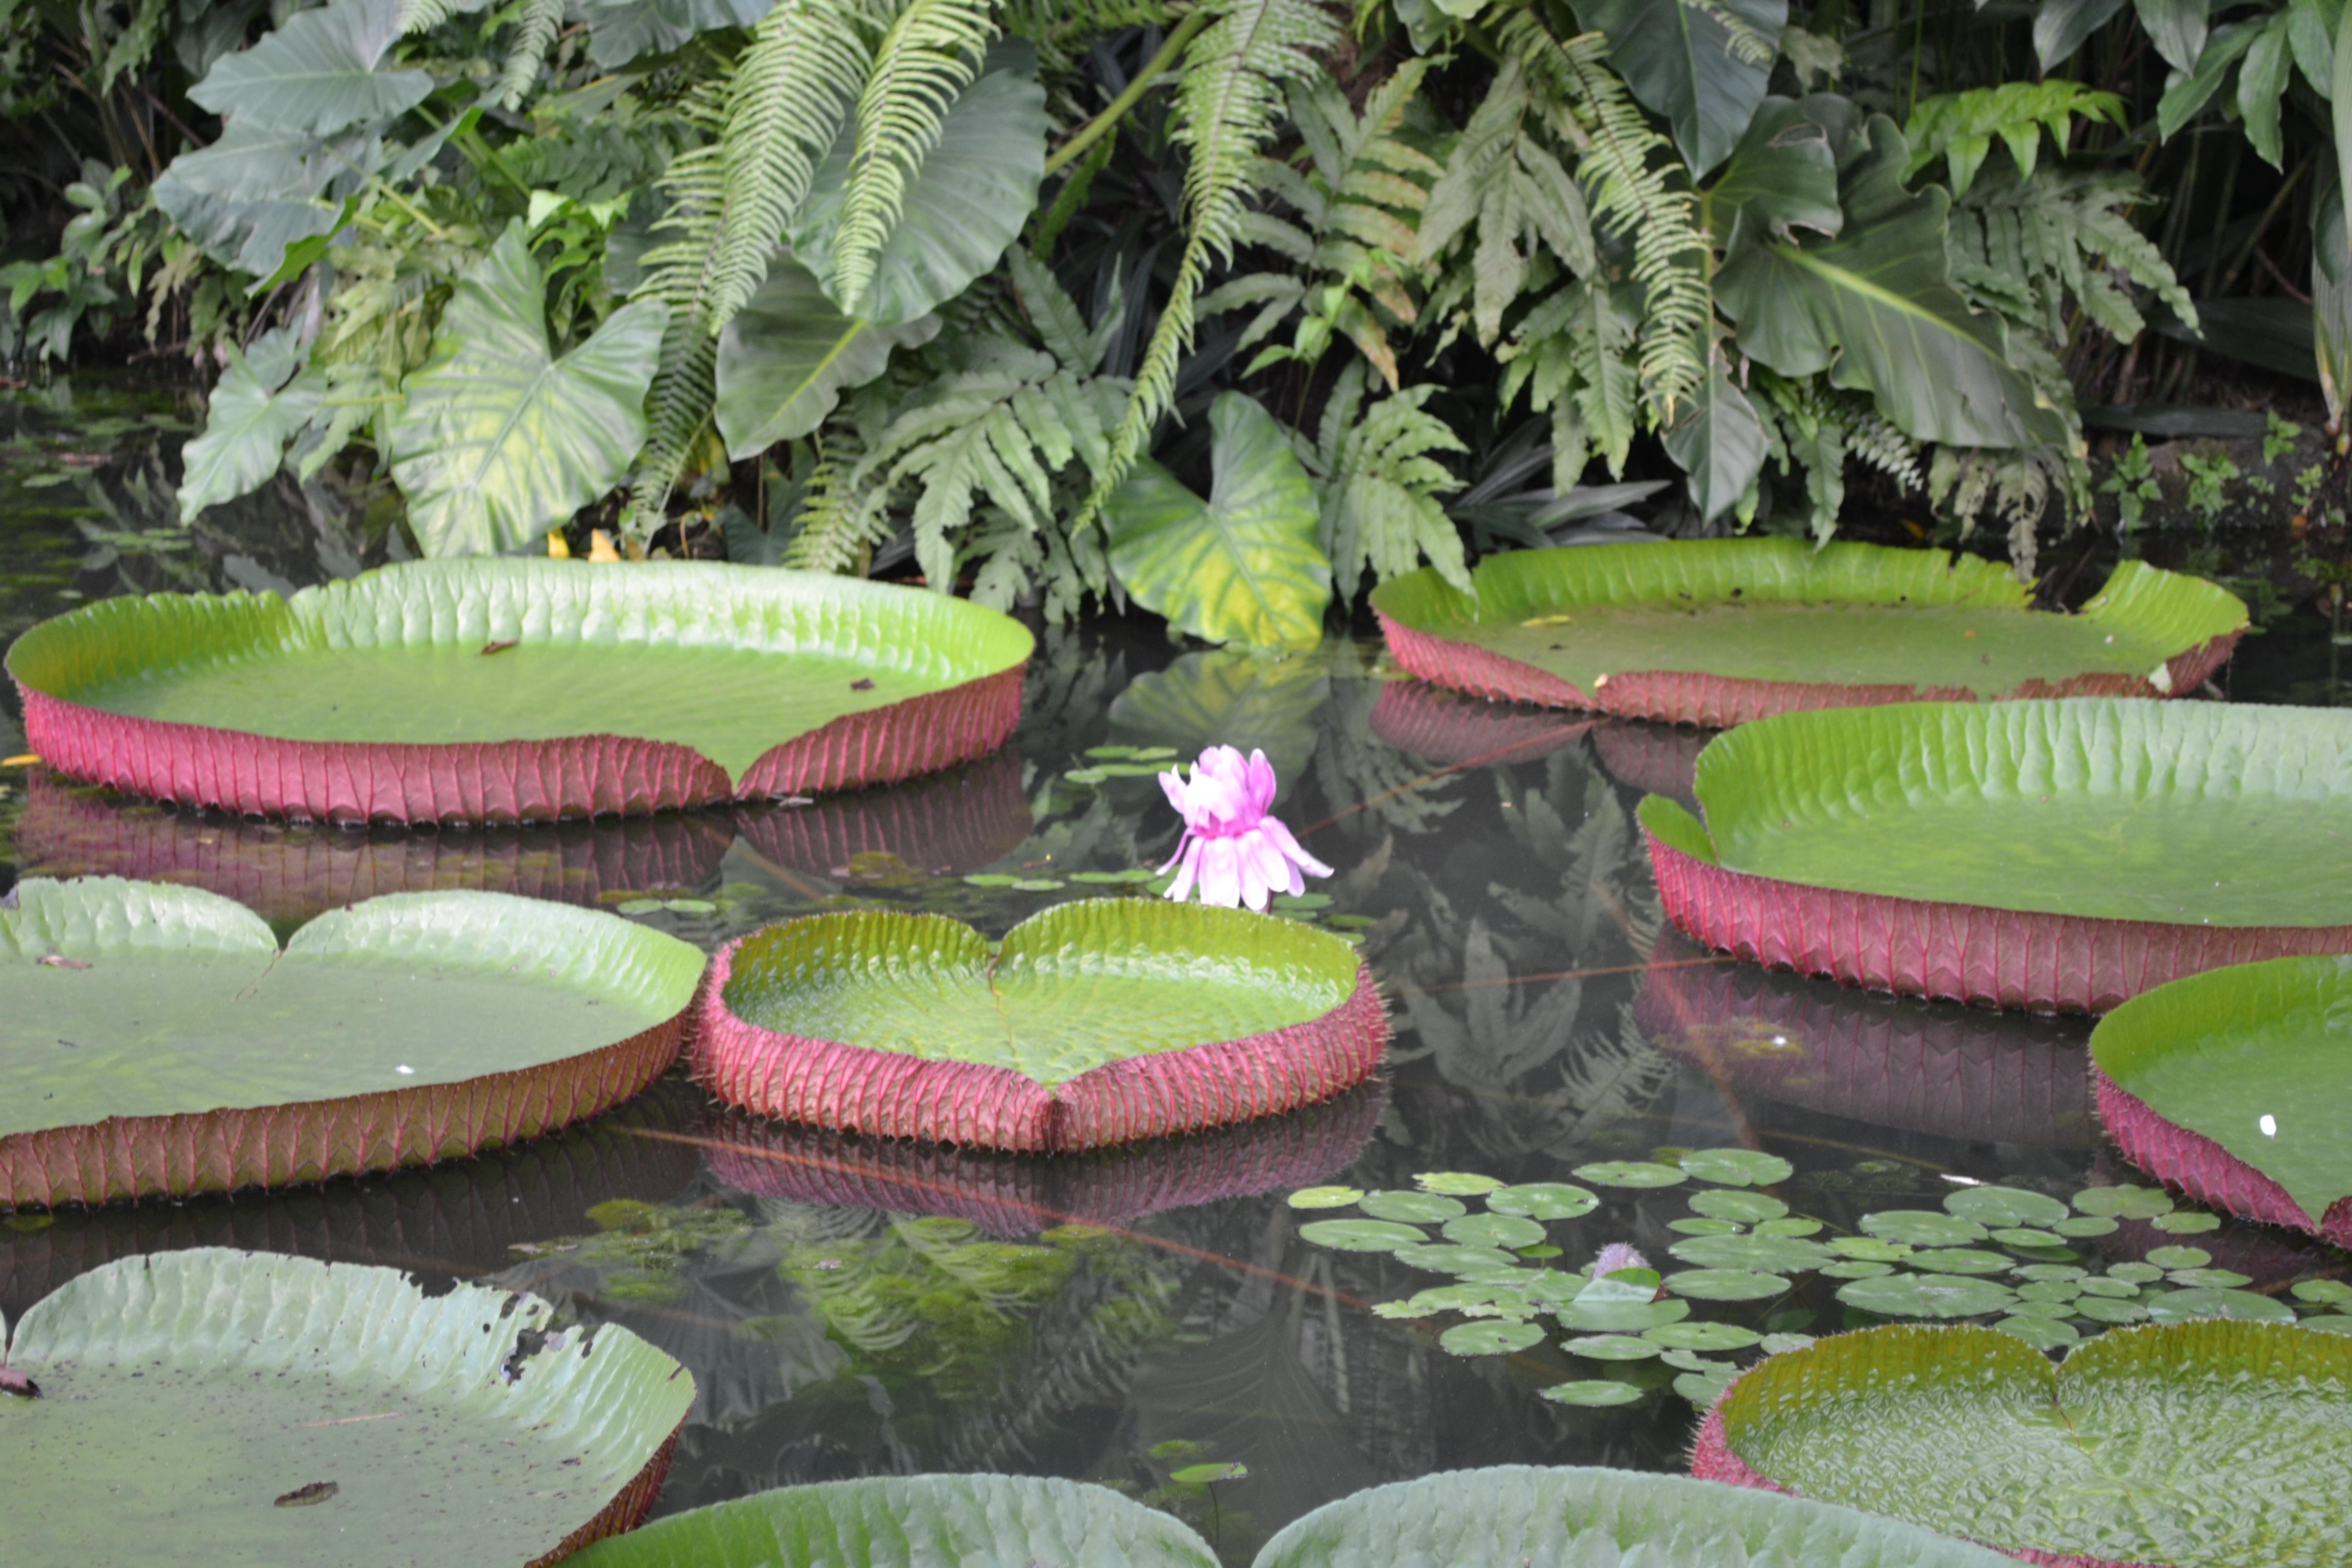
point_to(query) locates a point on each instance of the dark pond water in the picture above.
(853, 1308)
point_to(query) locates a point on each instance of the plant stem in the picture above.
(1095, 129)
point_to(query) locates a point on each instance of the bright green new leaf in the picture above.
(789, 354)
(212, 1406)
(1875, 307)
(1703, 67)
(1960, 127)
(2206, 1445)
(496, 440)
(261, 400)
(1242, 566)
(966, 203)
(317, 73)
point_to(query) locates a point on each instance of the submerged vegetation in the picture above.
(999, 292)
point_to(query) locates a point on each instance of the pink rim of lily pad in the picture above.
(1720, 702)
(1803, 1042)
(288, 1145)
(889, 1094)
(511, 781)
(1966, 953)
(1712, 1459)
(1014, 1196)
(1655, 759)
(948, 823)
(2192, 1164)
(625, 1511)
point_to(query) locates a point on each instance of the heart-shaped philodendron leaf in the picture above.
(215, 1407)
(1096, 1022)
(1720, 631)
(2202, 1445)
(2254, 1058)
(518, 689)
(1463, 1518)
(155, 1040)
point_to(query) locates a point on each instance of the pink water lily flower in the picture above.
(1236, 853)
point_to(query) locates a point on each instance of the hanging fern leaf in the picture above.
(930, 56)
(540, 20)
(1228, 103)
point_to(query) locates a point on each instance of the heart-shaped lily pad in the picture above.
(1093, 1022)
(1718, 632)
(212, 1406)
(155, 1040)
(2206, 1445)
(2055, 855)
(2230, 1085)
(502, 690)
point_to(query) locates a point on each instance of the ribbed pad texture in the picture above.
(279, 1146)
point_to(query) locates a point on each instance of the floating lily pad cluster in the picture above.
(2022, 1260)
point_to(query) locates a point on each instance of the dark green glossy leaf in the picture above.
(1683, 62)
(316, 74)
(789, 354)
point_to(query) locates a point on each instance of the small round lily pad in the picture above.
(1703, 1334)
(1767, 1254)
(1494, 1230)
(2180, 1306)
(2000, 1208)
(2186, 1222)
(1699, 1224)
(1543, 1200)
(1631, 1174)
(1325, 1197)
(2330, 1292)
(2125, 1201)
(1412, 1208)
(1956, 1261)
(1747, 1209)
(1361, 1235)
(1738, 1167)
(1593, 1392)
(2045, 1333)
(1457, 1183)
(1489, 1336)
(1611, 1347)
(1923, 1227)
(1450, 1258)
(1726, 1284)
(2086, 1226)
(1927, 1296)
(2168, 1257)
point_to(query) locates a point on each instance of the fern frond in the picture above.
(540, 18)
(807, 62)
(1627, 170)
(677, 272)
(422, 15)
(1380, 486)
(1229, 101)
(831, 531)
(931, 54)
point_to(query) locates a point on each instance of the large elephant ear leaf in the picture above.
(1703, 65)
(1782, 176)
(912, 1521)
(1875, 307)
(1243, 566)
(495, 440)
(1719, 442)
(790, 353)
(965, 203)
(317, 73)
(1522, 1514)
(263, 398)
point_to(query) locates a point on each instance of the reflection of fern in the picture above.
(1229, 101)
(930, 54)
(1632, 194)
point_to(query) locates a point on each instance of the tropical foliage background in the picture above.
(1228, 309)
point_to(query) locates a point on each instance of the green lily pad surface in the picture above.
(729, 662)
(908, 1024)
(148, 1032)
(1511, 1514)
(215, 1407)
(1872, 623)
(2255, 1058)
(2200, 813)
(2204, 1444)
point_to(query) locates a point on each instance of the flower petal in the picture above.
(1181, 887)
(1261, 784)
(1274, 829)
(1220, 876)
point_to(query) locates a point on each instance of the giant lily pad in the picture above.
(1511, 1514)
(1014, 1196)
(1719, 632)
(1935, 1067)
(519, 690)
(2047, 855)
(155, 1040)
(215, 1407)
(2230, 1085)
(2205, 1445)
(1095, 1023)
